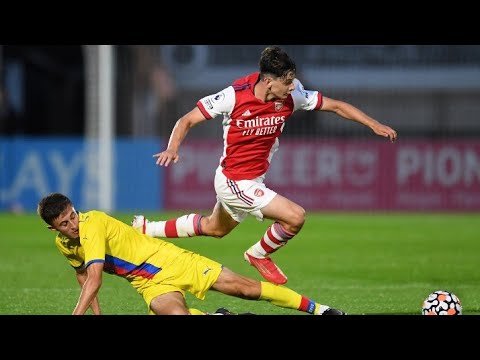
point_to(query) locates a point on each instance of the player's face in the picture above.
(67, 223)
(282, 87)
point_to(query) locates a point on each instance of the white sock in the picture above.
(184, 226)
(321, 309)
(274, 238)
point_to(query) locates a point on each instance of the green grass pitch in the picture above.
(369, 263)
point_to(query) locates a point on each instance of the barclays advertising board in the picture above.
(34, 167)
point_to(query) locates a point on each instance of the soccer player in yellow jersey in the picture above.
(94, 242)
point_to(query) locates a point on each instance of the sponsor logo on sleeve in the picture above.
(208, 104)
(218, 97)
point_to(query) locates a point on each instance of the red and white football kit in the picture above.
(251, 128)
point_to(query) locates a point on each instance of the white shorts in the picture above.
(242, 197)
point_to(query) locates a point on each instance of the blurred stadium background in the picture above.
(85, 120)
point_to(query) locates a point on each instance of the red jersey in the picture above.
(251, 127)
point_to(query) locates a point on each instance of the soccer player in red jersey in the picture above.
(254, 111)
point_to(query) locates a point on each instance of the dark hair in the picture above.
(51, 206)
(276, 62)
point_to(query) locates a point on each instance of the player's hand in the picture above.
(165, 157)
(385, 131)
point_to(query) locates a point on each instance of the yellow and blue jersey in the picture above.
(123, 250)
(152, 266)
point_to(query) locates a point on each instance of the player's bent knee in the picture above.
(297, 220)
(294, 225)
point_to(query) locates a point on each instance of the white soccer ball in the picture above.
(442, 302)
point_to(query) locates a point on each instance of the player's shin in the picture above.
(184, 226)
(287, 298)
(275, 237)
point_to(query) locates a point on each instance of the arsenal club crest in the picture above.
(258, 192)
(278, 105)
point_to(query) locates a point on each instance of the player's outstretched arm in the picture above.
(350, 112)
(180, 130)
(81, 278)
(90, 288)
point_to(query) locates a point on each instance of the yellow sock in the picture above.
(280, 295)
(196, 311)
(287, 298)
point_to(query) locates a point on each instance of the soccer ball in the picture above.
(442, 302)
